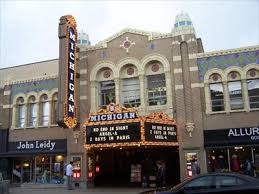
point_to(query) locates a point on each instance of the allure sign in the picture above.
(252, 132)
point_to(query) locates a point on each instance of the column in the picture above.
(142, 90)
(245, 96)
(93, 96)
(169, 90)
(38, 119)
(207, 98)
(226, 97)
(117, 90)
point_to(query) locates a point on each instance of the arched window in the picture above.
(235, 91)
(44, 110)
(32, 112)
(106, 87)
(20, 112)
(216, 93)
(130, 87)
(156, 84)
(54, 108)
(130, 92)
(253, 88)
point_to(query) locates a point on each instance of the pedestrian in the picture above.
(195, 168)
(160, 175)
(69, 173)
(249, 168)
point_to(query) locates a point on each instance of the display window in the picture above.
(239, 159)
(49, 169)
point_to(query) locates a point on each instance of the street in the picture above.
(18, 190)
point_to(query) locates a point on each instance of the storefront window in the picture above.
(217, 160)
(192, 164)
(57, 169)
(256, 160)
(42, 169)
(131, 92)
(235, 95)
(253, 92)
(217, 97)
(50, 169)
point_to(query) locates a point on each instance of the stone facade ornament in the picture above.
(127, 44)
(190, 128)
(76, 135)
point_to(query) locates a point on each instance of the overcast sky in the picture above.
(29, 29)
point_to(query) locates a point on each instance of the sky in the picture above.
(29, 29)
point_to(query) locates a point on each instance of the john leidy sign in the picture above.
(55, 145)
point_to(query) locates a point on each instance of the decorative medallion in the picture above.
(32, 99)
(215, 77)
(130, 71)
(126, 44)
(155, 67)
(252, 73)
(233, 75)
(106, 74)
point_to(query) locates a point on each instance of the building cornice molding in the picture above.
(151, 36)
(228, 51)
(31, 80)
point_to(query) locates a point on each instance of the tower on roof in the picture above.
(83, 39)
(183, 25)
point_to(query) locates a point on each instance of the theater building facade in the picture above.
(128, 103)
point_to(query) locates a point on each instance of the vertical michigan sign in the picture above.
(67, 110)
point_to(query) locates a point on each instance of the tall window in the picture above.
(235, 95)
(130, 92)
(54, 108)
(20, 113)
(44, 110)
(156, 88)
(217, 97)
(32, 112)
(107, 92)
(253, 92)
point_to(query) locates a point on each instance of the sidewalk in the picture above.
(18, 190)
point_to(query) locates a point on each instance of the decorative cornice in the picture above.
(150, 35)
(228, 51)
(31, 80)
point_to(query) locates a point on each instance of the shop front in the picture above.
(229, 150)
(125, 149)
(38, 161)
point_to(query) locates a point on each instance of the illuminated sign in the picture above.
(125, 132)
(160, 132)
(67, 69)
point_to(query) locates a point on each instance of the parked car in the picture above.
(222, 183)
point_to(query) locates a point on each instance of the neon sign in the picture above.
(70, 117)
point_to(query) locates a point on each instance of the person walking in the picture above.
(69, 173)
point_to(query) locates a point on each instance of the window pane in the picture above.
(131, 92)
(45, 113)
(21, 115)
(33, 115)
(235, 95)
(200, 183)
(253, 92)
(156, 87)
(107, 92)
(217, 97)
(228, 181)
